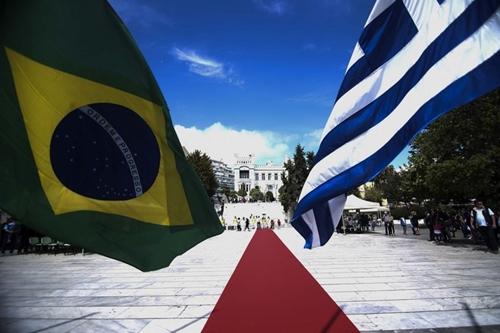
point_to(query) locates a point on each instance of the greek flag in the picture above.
(414, 61)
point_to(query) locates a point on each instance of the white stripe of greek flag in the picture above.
(415, 60)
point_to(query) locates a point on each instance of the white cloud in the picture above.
(199, 65)
(312, 139)
(323, 98)
(310, 46)
(222, 142)
(277, 7)
(206, 67)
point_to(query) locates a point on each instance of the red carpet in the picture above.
(270, 291)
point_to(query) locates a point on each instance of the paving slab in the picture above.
(406, 283)
(392, 284)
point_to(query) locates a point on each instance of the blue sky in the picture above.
(247, 76)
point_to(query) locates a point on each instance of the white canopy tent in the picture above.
(355, 203)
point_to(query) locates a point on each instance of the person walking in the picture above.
(445, 220)
(11, 238)
(235, 222)
(364, 222)
(247, 224)
(392, 231)
(402, 221)
(498, 225)
(386, 223)
(463, 225)
(429, 222)
(374, 222)
(483, 219)
(414, 223)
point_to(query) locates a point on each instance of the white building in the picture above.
(224, 174)
(248, 174)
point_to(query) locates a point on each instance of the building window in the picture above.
(270, 188)
(256, 176)
(244, 174)
(276, 176)
(269, 176)
(263, 176)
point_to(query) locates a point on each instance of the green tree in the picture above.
(232, 196)
(203, 166)
(285, 191)
(310, 159)
(256, 194)
(294, 177)
(270, 196)
(225, 190)
(458, 156)
(300, 167)
(242, 192)
(355, 192)
(388, 183)
(372, 193)
(413, 184)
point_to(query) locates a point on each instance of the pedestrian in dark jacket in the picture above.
(429, 222)
(414, 223)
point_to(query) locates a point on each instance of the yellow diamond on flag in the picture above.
(98, 148)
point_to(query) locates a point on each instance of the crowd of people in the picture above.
(480, 224)
(358, 222)
(252, 222)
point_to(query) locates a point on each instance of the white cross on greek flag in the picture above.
(414, 61)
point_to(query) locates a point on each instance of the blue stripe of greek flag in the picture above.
(452, 59)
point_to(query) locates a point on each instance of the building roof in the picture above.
(353, 203)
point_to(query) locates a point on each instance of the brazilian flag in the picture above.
(88, 153)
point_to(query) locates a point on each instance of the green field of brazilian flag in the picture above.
(88, 151)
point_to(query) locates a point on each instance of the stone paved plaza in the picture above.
(382, 283)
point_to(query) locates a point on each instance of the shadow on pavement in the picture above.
(477, 328)
(191, 322)
(65, 322)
